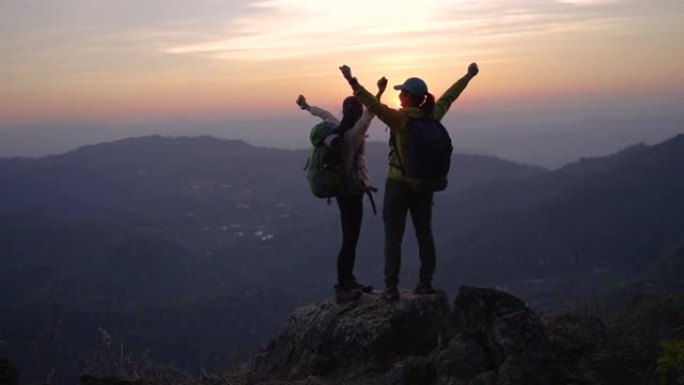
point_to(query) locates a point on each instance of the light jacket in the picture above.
(397, 120)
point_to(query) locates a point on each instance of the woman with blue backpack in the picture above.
(347, 137)
(419, 160)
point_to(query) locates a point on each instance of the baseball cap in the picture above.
(414, 86)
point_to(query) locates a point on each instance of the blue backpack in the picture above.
(428, 155)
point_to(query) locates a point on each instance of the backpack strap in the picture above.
(369, 191)
(394, 149)
(335, 138)
(400, 166)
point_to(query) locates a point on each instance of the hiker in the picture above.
(400, 195)
(350, 133)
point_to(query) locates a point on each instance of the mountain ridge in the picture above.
(120, 234)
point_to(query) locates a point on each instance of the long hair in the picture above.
(351, 112)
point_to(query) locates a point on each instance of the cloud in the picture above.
(588, 2)
(208, 44)
(290, 29)
(298, 29)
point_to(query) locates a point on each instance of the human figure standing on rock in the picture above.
(403, 192)
(349, 135)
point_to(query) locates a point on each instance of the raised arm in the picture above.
(360, 129)
(444, 102)
(316, 111)
(388, 115)
(382, 85)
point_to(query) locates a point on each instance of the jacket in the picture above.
(397, 120)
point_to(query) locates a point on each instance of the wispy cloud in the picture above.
(291, 29)
(588, 2)
(54, 50)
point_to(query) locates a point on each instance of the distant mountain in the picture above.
(575, 231)
(197, 198)
(175, 235)
(187, 244)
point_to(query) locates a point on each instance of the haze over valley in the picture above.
(167, 243)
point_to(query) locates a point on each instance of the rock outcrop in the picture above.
(490, 337)
(368, 335)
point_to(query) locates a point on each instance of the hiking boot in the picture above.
(424, 288)
(353, 285)
(343, 294)
(391, 293)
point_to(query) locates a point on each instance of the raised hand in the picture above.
(346, 72)
(382, 84)
(473, 69)
(301, 102)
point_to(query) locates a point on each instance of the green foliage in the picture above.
(671, 362)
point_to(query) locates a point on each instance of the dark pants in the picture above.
(351, 213)
(399, 200)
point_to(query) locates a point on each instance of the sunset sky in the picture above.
(157, 59)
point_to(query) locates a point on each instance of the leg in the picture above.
(395, 207)
(351, 214)
(421, 215)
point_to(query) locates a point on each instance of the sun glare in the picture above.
(393, 101)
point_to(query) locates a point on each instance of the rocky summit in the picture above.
(364, 336)
(486, 337)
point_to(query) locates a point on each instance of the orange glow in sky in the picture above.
(123, 59)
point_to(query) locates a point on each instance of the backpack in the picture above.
(324, 169)
(428, 155)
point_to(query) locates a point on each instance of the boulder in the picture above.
(490, 338)
(513, 337)
(367, 335)
(411, 371)
(112, 380)
(459, 361)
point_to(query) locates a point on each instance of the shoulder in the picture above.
(405, 116)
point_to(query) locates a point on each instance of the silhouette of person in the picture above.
(352, 131)
(400, 198)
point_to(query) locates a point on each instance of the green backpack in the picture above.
(324, 169)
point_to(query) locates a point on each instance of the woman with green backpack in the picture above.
(406, 193)
(348, 136)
